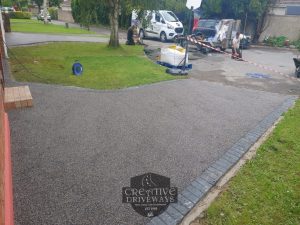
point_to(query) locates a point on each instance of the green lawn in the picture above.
(35, 26)
(267, 189)
(104, 68)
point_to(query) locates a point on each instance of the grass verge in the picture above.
(104, 68)
(267, 189)
(35, 26)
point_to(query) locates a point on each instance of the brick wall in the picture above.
(2, 134)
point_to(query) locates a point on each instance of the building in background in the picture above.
(283, 20)
(65, 12)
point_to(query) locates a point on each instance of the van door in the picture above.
(148, 23)
(157, 24)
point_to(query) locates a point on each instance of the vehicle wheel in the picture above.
(297, 72)
(163, 37)
(142, 34)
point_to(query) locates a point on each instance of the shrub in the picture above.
(276, 41)
(297, 44)
(53, 13)
(20, 15)
(24, 9)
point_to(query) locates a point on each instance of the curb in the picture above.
(201, 186)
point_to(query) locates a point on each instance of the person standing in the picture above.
(236, 52)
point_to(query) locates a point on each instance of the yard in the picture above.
(35, 26)
(104, 68)
(267, 190)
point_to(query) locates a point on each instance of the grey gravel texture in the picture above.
(76, 148)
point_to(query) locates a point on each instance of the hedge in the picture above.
(20, 15)
(53, 11)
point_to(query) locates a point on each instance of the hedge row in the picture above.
(20, 15)
(53, 11)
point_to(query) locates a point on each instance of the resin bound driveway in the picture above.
(76, 148)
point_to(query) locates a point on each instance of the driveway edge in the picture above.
(200, 187)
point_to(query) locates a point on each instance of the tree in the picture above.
(84, 11)
(256, 11)
(55, 3)
(39, 3)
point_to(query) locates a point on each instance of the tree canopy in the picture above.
(118, 12)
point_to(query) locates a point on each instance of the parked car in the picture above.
(41, 16)
(7, 9)
(162, 24)
(219, 33)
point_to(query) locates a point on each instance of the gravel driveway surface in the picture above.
(76, 148)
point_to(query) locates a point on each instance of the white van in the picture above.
(162, 24)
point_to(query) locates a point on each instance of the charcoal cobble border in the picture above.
(198, 189)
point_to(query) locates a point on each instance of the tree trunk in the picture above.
(114, 22)
(45, 11)
(260, 26)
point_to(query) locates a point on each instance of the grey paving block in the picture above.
(245, 143)
(235, 152)
(157, 221)
(174, 213)
(216, 171)
(204, 183)
(259, 130)
(199, 186)
(230, 158)
(167, 219)
(180, 208)
(224, 164)
(184, 201)
(251, 137)
(219, 167)
(212, 181)
(211, 174)
(190, 196)
(239, 150)
(195, 191)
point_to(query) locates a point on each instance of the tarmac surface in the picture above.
(16, 39)
(76, 148)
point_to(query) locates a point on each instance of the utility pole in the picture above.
(45, 11)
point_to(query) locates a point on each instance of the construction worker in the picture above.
(236, 53)
(130, 34)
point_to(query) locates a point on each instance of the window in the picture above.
(169, 16)
(157, 17)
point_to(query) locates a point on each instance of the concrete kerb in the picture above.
(197, 196)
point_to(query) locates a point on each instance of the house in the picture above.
(65, 12)
(283, 19)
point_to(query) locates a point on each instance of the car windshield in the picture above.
(169, 16)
